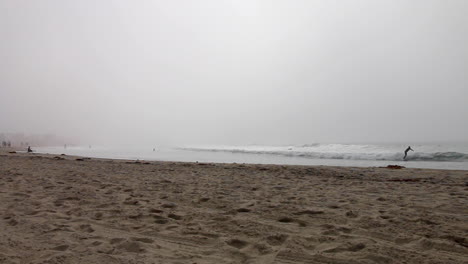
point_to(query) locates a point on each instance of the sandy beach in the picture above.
(63, 209)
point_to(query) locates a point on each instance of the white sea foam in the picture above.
(348, 151)
(438, 156)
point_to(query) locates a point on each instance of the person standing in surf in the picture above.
(406, 151)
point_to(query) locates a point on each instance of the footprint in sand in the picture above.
(352, 214)
(131, 246)
(12, 222)
(130, 202)
(103, 247)
(352, 248)
(263, 249)
(156, 211)
(98, 216)
(61, 248)
(169, 205)
(277, 239)
(286, 220)
(237, 243)
(116, 240)
(174, 216)
(86, 228)
(160, 219)
(291, 220)
(96, 243)
(309, 212)
(142, 239)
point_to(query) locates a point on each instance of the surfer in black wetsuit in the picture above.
(406, 151)
(29, 149)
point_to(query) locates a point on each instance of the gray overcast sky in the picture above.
(235, 72)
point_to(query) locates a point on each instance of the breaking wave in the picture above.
(307, 151)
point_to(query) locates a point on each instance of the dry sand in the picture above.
(63, 210)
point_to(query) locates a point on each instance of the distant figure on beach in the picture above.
(29, 149)
(406, 151)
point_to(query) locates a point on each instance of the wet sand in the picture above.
(63, 209)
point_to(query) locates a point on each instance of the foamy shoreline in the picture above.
(353, 156)
(66, 209)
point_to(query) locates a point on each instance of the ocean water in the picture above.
(435, 156)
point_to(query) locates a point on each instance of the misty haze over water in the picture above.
(175, 74)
